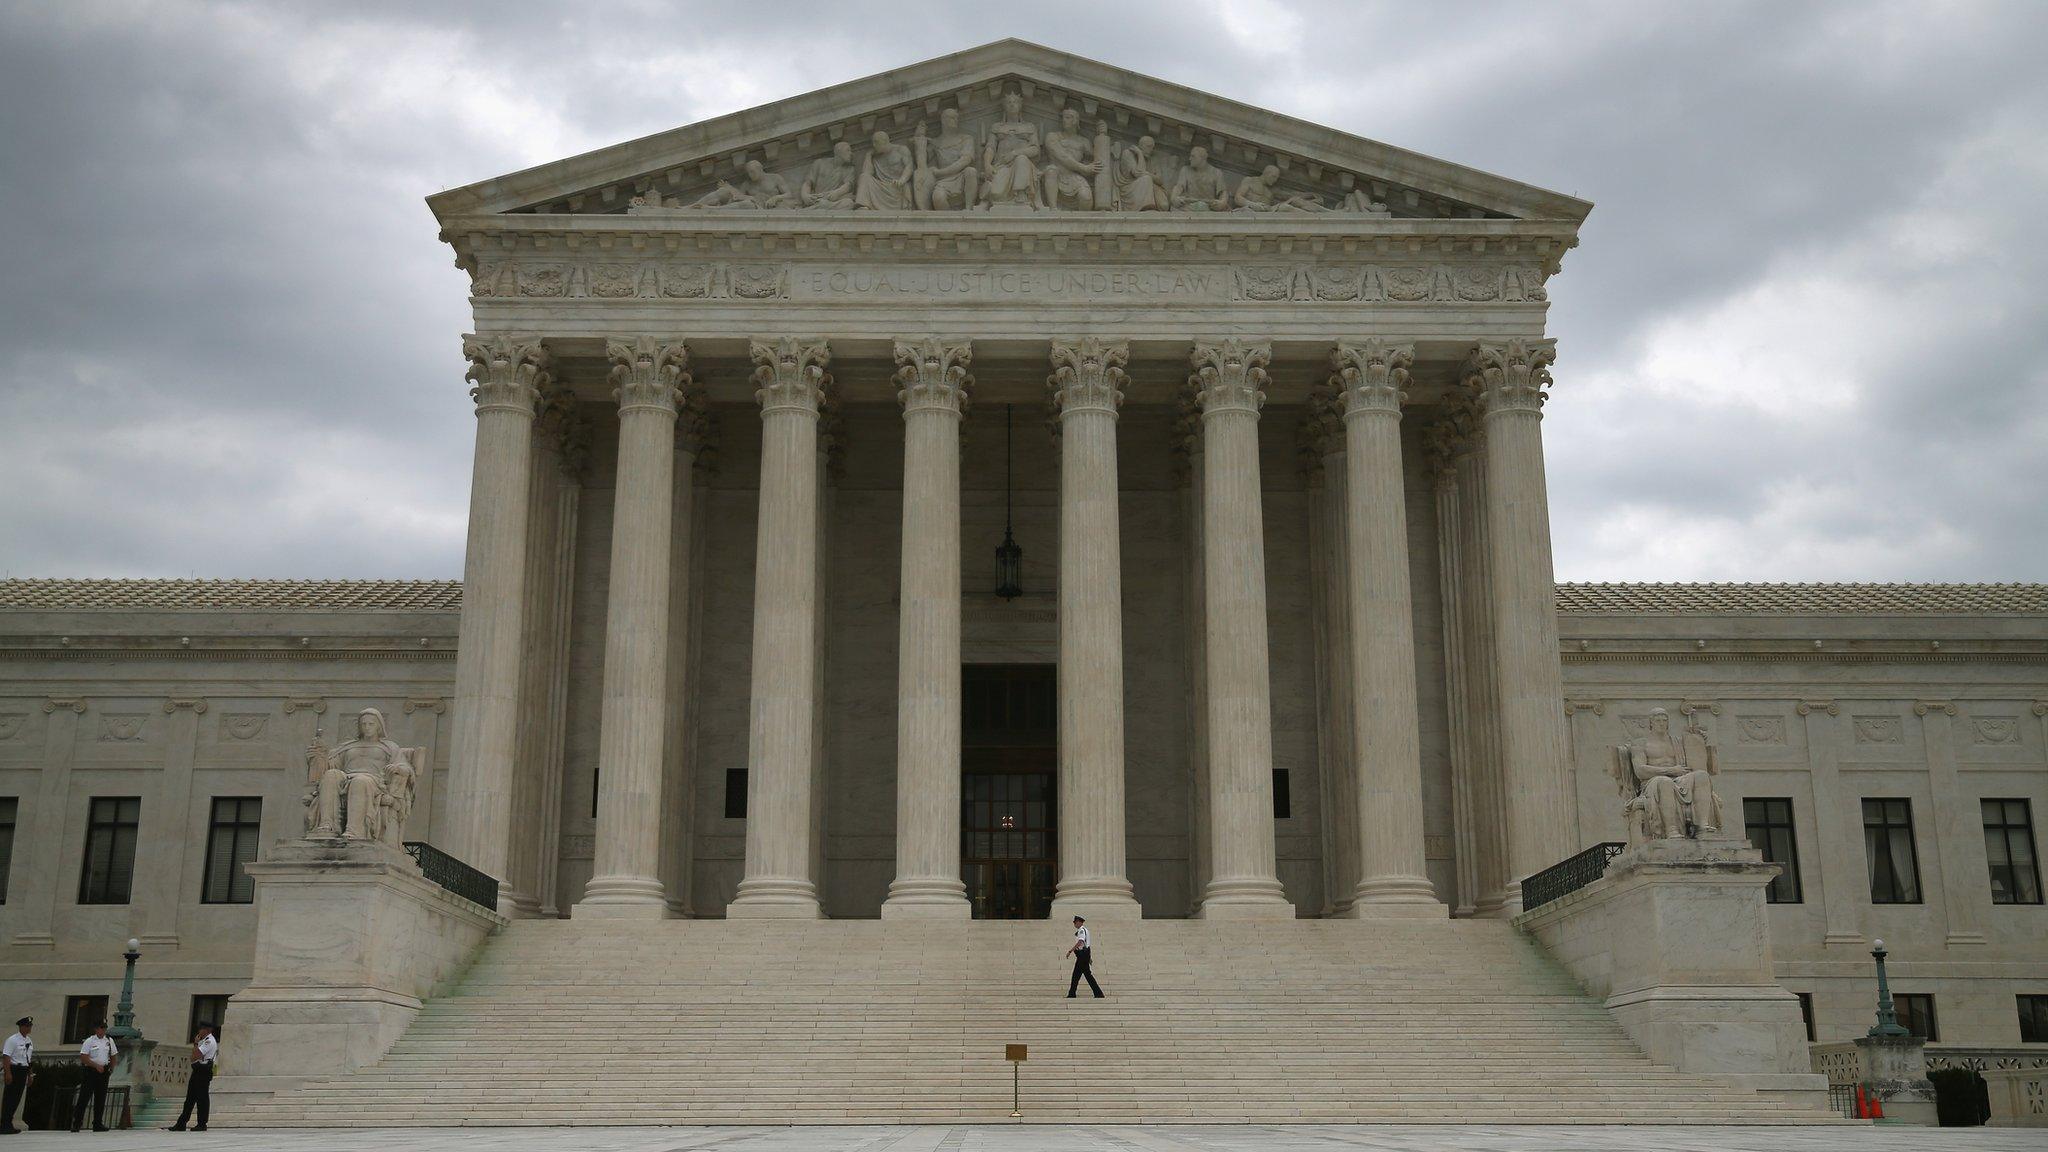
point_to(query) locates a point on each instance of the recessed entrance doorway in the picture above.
(1009, 796)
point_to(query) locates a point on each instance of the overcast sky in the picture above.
(1804, 336)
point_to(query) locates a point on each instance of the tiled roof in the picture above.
(1572, 599)
(234, 595)
(1802, 599)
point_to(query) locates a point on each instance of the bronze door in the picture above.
(1009, 798)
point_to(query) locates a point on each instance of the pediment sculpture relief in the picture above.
(1667, 782)
(1016, 164)
(363, 788)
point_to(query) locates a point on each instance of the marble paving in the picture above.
(1090, 1138)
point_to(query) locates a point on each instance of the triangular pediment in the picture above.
(1018, 110)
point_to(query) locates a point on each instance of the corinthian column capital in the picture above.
(647, 373)
(506, 372)
(790, 373)
(1512, 376)
(933, 375)
(1230, 376)
(1371, 375)
(1087, 375)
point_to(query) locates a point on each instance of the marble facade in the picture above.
(1279, 483)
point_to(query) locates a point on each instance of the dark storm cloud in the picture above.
(1803, 337)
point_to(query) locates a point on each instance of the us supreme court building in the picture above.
(1009, 488)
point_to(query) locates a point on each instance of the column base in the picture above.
(1408, 897)
(1245, 900)
(622, 898)
(927, 898)
(523, 907)
(1099, 898)
(775, 899)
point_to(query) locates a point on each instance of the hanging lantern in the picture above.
(1009, 557)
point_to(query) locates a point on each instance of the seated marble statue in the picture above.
(1200, 185)
(1072, 165)
(346, 784)
(829, 185)
(394, 799)
(1138, 186)
(760, 189)
(1009, 159)
(1260, 193)
(946, 176)
(886, 178)
(1668, 783)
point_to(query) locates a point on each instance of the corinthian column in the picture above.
(933, 384)
(1385, 743)
(507, 373)
(790, 381)
(1243, 879)
(1510, 378)
(647, 379)
(1086, 388)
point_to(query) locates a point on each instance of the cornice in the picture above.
(254, 651)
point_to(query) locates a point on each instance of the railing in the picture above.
(1568, 876)
(1842, 1099)
(452, 874)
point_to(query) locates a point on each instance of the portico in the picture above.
(1318, 388)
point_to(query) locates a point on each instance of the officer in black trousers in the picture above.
(97, 1055)
(1083, 953)
(205, 1049)
(16, 1056)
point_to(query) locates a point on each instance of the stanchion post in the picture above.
(1016, 1054)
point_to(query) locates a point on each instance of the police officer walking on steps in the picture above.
(97, 1054)
(16, 1055)
(1084, 959)
(204, 1049)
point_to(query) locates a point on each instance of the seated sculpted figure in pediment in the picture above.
(886, 178)
(1139, 187)
(1200, 186)
(1668, 783)
(1260, 193)
(830, 183)
(1010, 159)
(946, 176)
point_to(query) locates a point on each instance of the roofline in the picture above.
(946, 74)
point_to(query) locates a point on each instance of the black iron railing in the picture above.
(1842, 1099)
(1568, 876)
(453, 874)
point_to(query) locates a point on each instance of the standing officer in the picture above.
(1084, 959)
(15, 1057)
(204, 1049)
(97, 1054)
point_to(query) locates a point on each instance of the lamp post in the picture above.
(1887, 1017)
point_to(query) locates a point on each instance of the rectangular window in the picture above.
(205, 1010)
(1768, 821)
(2034, 1019)
(1806, 1013)
(231, 839)
(2009, 846)
(735, 793)
(1888, 846)
(8, 807)
(1283, 798)
(1916, 1013)
(81, 1013)
(110, 834)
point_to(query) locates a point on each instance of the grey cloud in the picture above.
(228, 335)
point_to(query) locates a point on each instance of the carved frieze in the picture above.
(1282, 283)
(1760, 729)
(11, 724)
(1879, 730)
(1995, 730)
(243, 725)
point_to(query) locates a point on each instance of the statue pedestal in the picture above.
(349, 939)
(1675, 937)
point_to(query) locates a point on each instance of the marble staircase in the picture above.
(618, 1022)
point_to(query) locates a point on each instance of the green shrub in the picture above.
(1960, 1098)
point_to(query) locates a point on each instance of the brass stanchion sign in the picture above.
(1016, 1054)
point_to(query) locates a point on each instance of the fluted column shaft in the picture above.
(647, 376)
(1244, 879)
(1086, 389)
(1511, 378)
(507, 373)
(1384, 724)
(933, 381)
(790, 382)
(1482, 679)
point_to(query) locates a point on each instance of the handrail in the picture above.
(1569, 875)
(458, 878)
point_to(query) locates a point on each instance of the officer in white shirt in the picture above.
(1084, 958)
(205, 1049)
(97, 1054)
(15, 1057)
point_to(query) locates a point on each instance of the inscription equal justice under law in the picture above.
(1016, 283)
